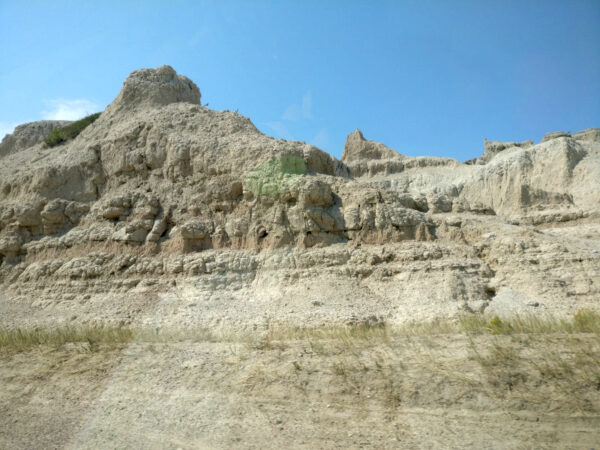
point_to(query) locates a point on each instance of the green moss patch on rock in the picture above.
(275, 175)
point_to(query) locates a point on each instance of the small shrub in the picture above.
(71, 131)
(496, 326)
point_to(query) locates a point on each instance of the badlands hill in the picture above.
(166, 212)
(173, 278)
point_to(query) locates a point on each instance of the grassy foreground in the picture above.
(444, 384)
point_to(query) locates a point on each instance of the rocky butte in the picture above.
(165, 212)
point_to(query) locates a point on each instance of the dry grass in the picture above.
(540, 372)
(276, 335)
(584, 321)
(23, 339)
(526, 363)
(557, 374)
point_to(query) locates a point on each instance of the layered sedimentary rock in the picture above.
(163, 211)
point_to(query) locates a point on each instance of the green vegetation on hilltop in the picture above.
(71, 131)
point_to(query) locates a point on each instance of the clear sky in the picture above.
(423, 77)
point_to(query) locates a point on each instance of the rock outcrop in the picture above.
(28, 134)
(164, 211)
(146, 88)
(591, 134)
(364, 157)
(554, 135)
(492, 148)
(358, 148)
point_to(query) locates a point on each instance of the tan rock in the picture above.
(162, 195)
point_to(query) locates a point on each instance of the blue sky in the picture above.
(423, 77)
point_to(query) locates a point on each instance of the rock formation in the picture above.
(28, 134)
(358, 148)
(493, 148)
(163, 211)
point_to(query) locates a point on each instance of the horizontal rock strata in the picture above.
(164, 211)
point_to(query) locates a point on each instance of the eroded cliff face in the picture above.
(165, 211)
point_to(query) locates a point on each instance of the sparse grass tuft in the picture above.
(427, 328)
(71, 131)
(586, 321)
(285, 331)
(472, 323)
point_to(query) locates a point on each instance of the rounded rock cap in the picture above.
(156, 87)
